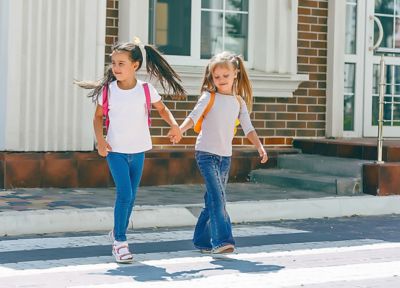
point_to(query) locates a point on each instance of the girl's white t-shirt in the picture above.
(217, 130)
(129, 131)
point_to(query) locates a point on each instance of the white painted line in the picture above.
(277, 250)
(282, 278)
(210, 272)
(148, 237)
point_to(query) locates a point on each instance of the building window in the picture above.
(388, 13)
(199, 29)
(351, 27)
(350, 66)
(391, 108)
(349, 95)
(170, 22)
(224, 26)
(262, 30)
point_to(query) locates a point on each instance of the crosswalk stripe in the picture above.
(85, 241)
(277, 250)
(343, 264)
(284, 278)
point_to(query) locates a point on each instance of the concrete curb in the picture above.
(96, 219)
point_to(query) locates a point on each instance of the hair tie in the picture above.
(137, 42)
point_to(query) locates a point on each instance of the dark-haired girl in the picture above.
(128, 134)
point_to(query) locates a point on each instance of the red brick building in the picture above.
(313, 73)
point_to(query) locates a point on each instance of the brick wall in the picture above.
(312, 59)
(111, 28)
(277, 120)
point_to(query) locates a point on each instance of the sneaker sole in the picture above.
(224, 250)
(122, 261)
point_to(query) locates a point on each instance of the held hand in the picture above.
(263, 154)
(175, 134)
(103, 147)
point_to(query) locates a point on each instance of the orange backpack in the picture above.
(197, 126)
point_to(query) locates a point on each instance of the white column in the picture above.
(49, 43)
(276, 33)
(335, 73)
(133, 20)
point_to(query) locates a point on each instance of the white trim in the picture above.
(294, 36)
(335, 77)
(195, 31)
(368, 129)
(359, 60)
(264, 85)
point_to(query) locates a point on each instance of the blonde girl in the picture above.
(226, 76)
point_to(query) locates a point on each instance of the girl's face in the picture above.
(123, 67)
(223, 78)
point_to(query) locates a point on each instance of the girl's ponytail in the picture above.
(157, 66)
(243, 86)
(208, 84)
(97, 86)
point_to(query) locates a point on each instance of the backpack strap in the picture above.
(197, 126)
(148, 102)
(237, 122)
(105, 106)
(106, 109)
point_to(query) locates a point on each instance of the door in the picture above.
(388, 13)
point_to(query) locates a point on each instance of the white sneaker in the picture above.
(228, 248)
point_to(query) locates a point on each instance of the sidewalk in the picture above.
(38, 210)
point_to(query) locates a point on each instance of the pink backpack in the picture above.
(106, 109)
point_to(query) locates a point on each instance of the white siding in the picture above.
(49, 44)
(4, 63)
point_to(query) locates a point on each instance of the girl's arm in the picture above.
(253, 137)
(186, 124)
(102, 146)
(174, 134)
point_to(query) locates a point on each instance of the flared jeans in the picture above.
(213, 228)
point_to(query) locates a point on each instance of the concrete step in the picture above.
(336, 185)
(322, 164)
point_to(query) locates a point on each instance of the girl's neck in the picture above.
(127, 84)
(229, 93)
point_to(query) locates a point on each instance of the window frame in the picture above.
(274, 74)
(195, 38)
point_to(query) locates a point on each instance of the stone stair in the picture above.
(338, 176)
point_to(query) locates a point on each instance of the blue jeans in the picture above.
(126, 170)
(213, 228)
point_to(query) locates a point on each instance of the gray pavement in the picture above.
(24, 199)
(336, 252)
(50, 210)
